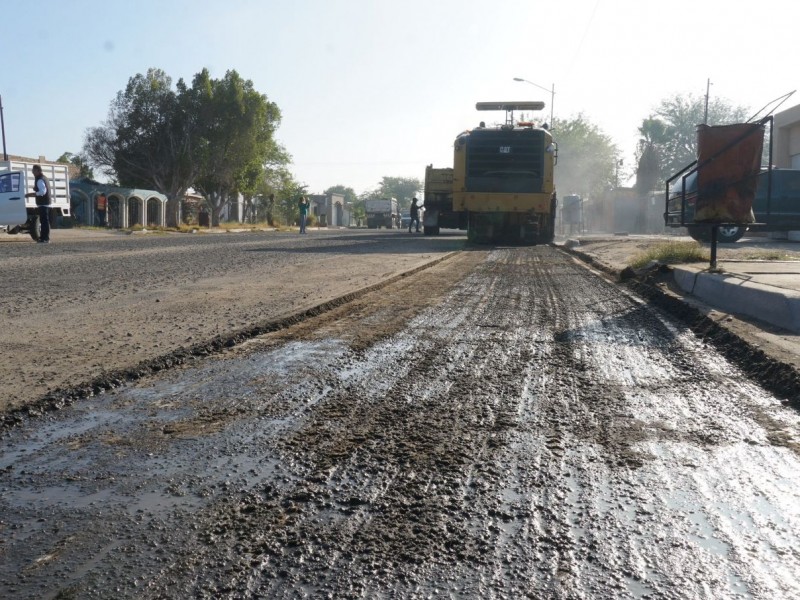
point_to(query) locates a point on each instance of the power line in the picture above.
(583, 38)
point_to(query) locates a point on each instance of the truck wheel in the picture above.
(34, 227)
(551, 232)
(699, 233)
(472, 230)
(480, 230)
(725, 235)
(729, 235)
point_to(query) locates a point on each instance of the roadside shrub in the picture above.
(672, 253)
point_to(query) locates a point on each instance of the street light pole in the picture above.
(3, 128)
(552, 91)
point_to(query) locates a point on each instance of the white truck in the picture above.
(19, 214)
(382, 212)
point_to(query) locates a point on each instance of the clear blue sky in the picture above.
(370, 88)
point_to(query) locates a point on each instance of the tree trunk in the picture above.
(173, 212)
(217, 202)
(270, 205)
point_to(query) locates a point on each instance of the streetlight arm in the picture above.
(541, 87)
(552, 91)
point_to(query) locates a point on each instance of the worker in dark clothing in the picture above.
(302, 207)
(414, 215)
(41, 190)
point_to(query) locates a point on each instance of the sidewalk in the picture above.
(765, 290)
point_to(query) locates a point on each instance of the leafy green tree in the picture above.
(286, 202)
(79, 161)
(401, 188)
(672, 129)
(587, 158)
(275, 186)
(349, 193)
(271, 183)
(653, 131)
(150, 138)
(216, 136)
(654, 136)
(237, 125)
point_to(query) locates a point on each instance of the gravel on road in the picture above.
(503, 424)
(92, 309)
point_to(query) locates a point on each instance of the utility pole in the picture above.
(708, 89)
(3, 128)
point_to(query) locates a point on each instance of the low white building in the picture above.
(786, 145)
(330, 210)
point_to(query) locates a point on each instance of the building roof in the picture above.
(73, 170)
(90, 188)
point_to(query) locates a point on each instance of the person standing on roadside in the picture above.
(102, 207)
(303, 207)
(414, 215)
(41, 190)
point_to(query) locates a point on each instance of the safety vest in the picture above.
(43, 200)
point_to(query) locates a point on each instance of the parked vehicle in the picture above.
(780, 213)
(438, 203)
(382, 213)
(19, 214)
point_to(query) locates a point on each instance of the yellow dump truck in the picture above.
(438, 202)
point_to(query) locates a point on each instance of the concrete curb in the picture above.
(735, 294)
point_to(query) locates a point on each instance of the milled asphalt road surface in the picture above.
(534, 431)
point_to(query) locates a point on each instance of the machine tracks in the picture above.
(506, 424)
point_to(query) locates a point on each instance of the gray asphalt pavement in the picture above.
(766, 290)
